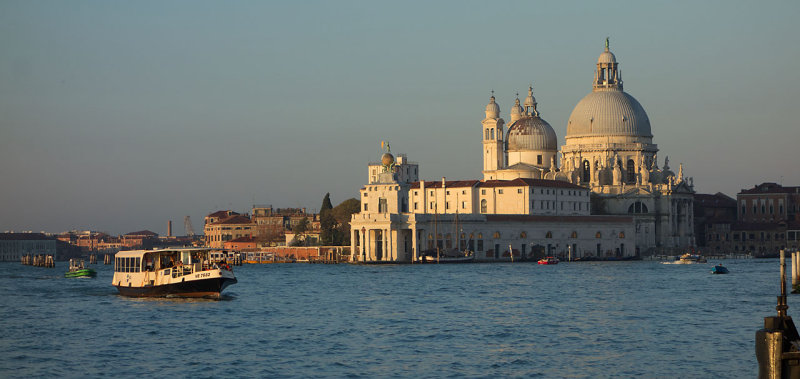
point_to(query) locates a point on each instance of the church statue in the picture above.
(617, 171)
(645, 173)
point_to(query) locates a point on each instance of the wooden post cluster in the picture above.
(40, 260)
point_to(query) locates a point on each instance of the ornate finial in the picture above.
(492, 92)
(606, 43)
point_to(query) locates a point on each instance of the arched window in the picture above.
(492, 133)
(631, 168)
(523, 235)
(483, 206)
(574, 235)
(621, 234)
(480, 236)
(487, 134)
(496, 235)
(598, 235)
(548, 235)
(586, 172)
(637, 207)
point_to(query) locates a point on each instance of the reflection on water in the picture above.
(587, 319)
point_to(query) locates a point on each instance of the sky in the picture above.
(118, 116)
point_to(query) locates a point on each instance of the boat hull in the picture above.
(719, 270)
(204, 288)
(428, 259)
(85, 273)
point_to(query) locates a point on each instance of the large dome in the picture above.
(608, 113)
(531, 133)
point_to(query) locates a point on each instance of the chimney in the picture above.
(169, 228)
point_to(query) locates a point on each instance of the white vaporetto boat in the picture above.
(180, 272)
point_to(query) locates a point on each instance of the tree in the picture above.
(327, 222)
(342, 215)
(300, 229)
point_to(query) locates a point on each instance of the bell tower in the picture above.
(492, 134)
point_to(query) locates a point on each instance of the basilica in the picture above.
(603, 195)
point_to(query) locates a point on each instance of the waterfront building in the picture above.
(608, 167)
(609, 149)
(143, 239)
(498, 220)
(714, 216)
(220, 228)
(768, 219)
(13, 246)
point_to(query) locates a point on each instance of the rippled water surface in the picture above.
(622, 319)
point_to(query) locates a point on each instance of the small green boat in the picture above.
(76, 270)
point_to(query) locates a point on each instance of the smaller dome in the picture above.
(492, 109)
(531, 134)
(387, 159)
(606, 57)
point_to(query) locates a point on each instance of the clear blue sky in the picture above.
(120, 115)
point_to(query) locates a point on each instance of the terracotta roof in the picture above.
(769, 188)
(718, 199)
(220, 214)
(449, 184)
(235, 219)
(542, 218)
(243, 239)
(529, 182)
(143, 233)
(519, 182)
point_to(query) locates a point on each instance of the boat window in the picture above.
(138, 264)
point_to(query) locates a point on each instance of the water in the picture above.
(584, 320)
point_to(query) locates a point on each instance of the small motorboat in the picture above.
(689, 258)
(77, 270)
(548, 261)
(719, 269)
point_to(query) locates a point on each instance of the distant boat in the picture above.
(719, 269)
(76, 270)
(688, 258)
(432, 256)
(548, 261)
(181, 272)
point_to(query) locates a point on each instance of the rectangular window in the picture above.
(539, 159)
(448, 192)
(500, 191)
(383, 206)
(446, 205)
(480, 245)
(483, 192)
(431, 205)
(415, 205)
(463, 205)
(365, 207)
(519, 190)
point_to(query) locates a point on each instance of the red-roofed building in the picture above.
(227, 229)
(143, 239)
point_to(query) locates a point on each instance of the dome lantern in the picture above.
(530, 104)
(607, 75)
(492, 109)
